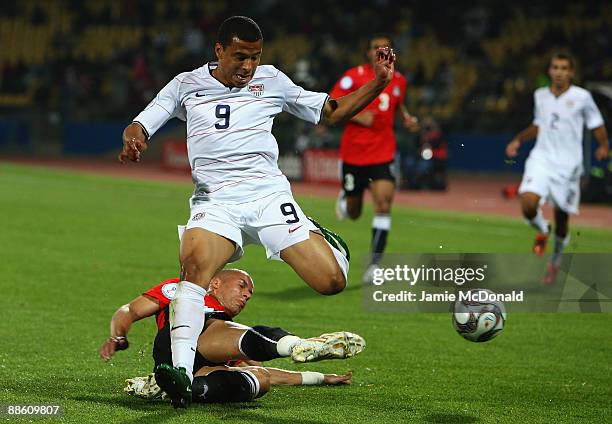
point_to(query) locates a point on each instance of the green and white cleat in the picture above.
(333, 239)
(144, 388)
(339, 345)
(175, 382)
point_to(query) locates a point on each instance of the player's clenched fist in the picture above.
(134, 143)
(385, 59)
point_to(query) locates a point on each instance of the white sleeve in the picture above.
(165, 106)
(306, 105)
(537, 114)
(592, 116)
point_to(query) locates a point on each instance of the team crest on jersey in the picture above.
(169, 290)
(256, 89)
(396, 91)
(198, 216)
(570, 104)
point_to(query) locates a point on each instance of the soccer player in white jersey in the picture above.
(554, 166)
(240, 194)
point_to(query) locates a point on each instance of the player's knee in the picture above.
(383, 207)
(353, 212)
(529, 208)
(333, 284)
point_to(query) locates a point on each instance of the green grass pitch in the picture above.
(74, 247)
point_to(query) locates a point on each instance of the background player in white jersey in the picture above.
(240, 194)
(554, 166)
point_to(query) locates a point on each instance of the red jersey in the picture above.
(164, 293)
(376, 144)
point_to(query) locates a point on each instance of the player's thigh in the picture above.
(220, 341)
(314, 261)
(354, 182)
(565, 194)
(202, 254)
(535, 184)
(280, 223)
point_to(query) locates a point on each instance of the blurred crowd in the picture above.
(472, 68)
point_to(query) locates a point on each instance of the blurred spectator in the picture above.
(426, 167)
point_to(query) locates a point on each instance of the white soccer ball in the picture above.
(479, 320)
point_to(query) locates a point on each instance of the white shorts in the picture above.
(274, 222)
(562, 188)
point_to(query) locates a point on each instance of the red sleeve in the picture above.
(163, 292)
(345, 85)
(404, 85)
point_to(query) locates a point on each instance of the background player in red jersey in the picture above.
(227, 344)
(367, 148)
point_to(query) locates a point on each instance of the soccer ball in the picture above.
(476, 320)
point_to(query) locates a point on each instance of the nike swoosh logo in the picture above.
(291, 230)
(200, 95)
(179, 326)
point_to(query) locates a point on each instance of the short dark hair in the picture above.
(380, 35)
(564, 55)
(240, 27)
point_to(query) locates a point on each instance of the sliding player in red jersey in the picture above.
(225, 344)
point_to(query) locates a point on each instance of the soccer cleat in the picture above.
(339, 345)
(341, 206)
(539, 245)
(144, 387)
(552, 272)
(332, 238)
(176, 383)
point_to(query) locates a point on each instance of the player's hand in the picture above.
(134, 143)
(512, 148)
(411, 123)
(111, 345)
(385, 59)
(602, 152)
(335, 379)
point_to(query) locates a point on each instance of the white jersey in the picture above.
(560, 121)
(232, 151)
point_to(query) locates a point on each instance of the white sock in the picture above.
(187, 313)
(285, 344)
(341, 208)
(539, 223)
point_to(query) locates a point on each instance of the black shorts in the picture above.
(162, 350)
(355, 178)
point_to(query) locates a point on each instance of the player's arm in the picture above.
(409, 121)
(165, 106)
(603, 150)
(528, 133)
(340, 110)
(141, 307)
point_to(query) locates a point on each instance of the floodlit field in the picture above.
(74, 247)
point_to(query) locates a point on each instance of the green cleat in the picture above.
(333, 239)
(175, 382)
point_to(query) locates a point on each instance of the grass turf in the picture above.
(75, 247)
